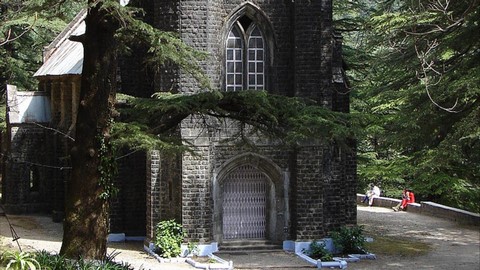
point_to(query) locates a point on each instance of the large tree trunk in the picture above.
(86, 221)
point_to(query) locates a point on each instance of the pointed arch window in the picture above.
(245, 57)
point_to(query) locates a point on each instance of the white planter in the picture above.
(219, 263)
(335, 264)
(341, 264)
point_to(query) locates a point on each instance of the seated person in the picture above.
(368, 193)
(407, 197)
(375, 193)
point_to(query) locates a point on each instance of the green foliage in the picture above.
(415, 81)
(26, 27)
(17, 260)
(52, 261)
(107, 168)
(57, 262)
(168, 238)
(3, 123)
(349, 239)
(318, 251)
(284, 119)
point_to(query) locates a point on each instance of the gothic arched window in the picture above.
(245, 57)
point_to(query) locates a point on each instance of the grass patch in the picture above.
(383, 245)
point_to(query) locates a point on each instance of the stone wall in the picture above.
(163, 190)
(26, 183)
(152, 193)
(322, 177)
(128, 208)
(303, 57)
(308, 187)
(197, 201)
(204, 26)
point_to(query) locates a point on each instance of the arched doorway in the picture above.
(245, 204)
(249, 199)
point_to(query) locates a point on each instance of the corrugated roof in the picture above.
(65, 56)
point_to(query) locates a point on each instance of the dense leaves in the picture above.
(168, 238)
(349, 240)
(420, 95)
(146, 123)
(25, 28)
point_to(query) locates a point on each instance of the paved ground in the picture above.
(406, 240)
(402, 240)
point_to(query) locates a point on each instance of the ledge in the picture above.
(455, 214)
(429, 208)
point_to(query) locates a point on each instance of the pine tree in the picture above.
(420, 97)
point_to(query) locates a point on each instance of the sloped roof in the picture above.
(64, 56)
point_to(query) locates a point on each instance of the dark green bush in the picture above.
(349, 240)
(319, 252)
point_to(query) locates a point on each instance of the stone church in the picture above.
(222, 192)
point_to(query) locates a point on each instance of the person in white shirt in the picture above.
(375, 193)
(368, 193)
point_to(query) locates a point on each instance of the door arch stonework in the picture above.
(261, 170)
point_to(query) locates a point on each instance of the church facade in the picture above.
(222, 192)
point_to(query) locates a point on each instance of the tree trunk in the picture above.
(86, 222)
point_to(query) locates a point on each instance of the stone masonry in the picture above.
(305, 191)
(318, 179)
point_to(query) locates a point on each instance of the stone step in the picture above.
(249, 245)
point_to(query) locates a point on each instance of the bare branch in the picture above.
(7, 39)
(427, 66)
(56, 131)
(10, 39)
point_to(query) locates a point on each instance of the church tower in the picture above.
(224, 192)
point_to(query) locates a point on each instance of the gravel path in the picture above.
(402, 240)
(434, 243)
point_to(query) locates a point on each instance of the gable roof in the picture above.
(64, 56)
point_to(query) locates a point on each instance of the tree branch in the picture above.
(9, 39)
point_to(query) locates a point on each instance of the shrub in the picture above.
(57, 262)
(319, 252)
(19, 260)
(53, 261)
(168, 238)
(349, 240)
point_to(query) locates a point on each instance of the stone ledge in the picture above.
(380, 201)
(429, 208)
(455, 214)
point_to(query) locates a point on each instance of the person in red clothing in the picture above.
(407, 197)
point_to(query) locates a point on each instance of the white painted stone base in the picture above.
(202, 250)
(220, 264)
(299, 247)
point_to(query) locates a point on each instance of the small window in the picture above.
(33, 180)
(245, 57)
